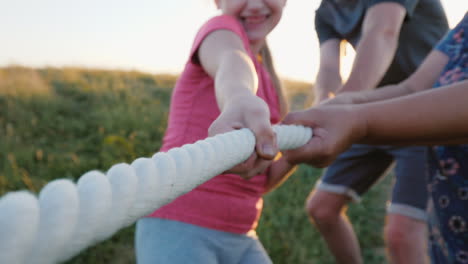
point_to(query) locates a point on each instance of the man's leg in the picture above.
(327, 212)
(406, 238)
(350, 176)
(406, 229)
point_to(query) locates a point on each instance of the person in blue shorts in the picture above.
(406, 114)
(391, 38)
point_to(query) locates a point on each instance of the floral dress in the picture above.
(448, 167)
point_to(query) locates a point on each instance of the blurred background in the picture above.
(86, 84)
(146, 35)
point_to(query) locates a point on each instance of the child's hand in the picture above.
(249, 111)
(254, 165)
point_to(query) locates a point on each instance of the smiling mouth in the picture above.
(253, 20)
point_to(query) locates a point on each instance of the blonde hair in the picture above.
(267, 61)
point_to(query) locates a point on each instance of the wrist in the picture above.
(361, 122)
(237, 100)
(358, 97)
(347, 89)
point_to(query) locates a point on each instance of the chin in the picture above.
(255, 38)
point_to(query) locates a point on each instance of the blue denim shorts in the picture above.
(360, 167)
(166, 241)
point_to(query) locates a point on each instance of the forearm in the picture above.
(422, 79)
(328, 81)
(280, 171)
(236, 77)
(328, 77)
(373, 57)
(384, 93)
(438, 116)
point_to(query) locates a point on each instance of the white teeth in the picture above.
(255, 19)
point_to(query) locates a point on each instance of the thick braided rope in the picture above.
(66, 218)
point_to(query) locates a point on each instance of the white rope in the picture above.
(67, 217)
(19, 218)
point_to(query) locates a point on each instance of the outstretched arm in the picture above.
(224, 58)
(437, 116)
(422, 79)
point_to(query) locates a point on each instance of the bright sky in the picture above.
(146, 35)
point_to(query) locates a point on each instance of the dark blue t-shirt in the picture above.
(424, 25)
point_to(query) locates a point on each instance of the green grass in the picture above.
(61, 123)
(289, 237)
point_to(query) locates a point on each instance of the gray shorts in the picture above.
(360, 167)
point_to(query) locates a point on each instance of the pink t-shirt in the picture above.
(226, 202)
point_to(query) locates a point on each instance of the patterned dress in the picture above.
(448, 167)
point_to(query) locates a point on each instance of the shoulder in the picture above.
(427, 7)
(222, 22)
(339, 18)
(453, 43)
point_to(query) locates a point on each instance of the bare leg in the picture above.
(327, 212)
(406, 240)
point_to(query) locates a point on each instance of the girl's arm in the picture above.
(223, 57)
(279, 172)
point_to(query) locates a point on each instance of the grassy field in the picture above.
(61, 123)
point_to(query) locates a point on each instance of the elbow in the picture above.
(389, 35)
(391, 32)
(409, 87)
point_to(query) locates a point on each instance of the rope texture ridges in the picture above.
(67, 218)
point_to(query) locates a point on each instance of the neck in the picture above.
(256, 46)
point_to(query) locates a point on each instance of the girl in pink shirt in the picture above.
(228, 83)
